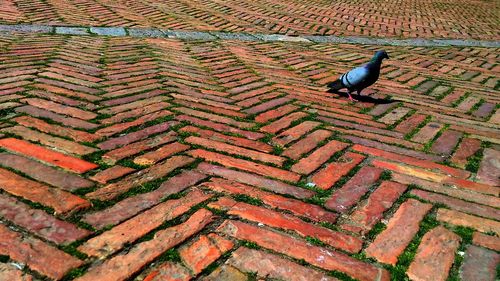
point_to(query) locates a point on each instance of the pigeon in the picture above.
(360, 77)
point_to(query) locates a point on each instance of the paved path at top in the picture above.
(125, 158)
(462, 19)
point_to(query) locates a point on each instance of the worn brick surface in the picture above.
(134, 158)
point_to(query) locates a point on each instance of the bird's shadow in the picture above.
(362, 98)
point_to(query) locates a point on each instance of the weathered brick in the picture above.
(220, 146)
(163, 152)
(11, 272)
(371, 211)
(298, 249)
(135, 136)
(38, 255)
(295, 133)
(46, 155)
(306, 144)
(169, 271)
(275, 113)
(268, 265)
(318, 157)
(141, 177)
(445, 144)
(479, 264)
(80, 136)
(427, 133)
(39, 222)
(459, 205)
(401, 228)
(299, 208)
(329, 175)
(226, 273)
(435, 255)
(204, 251)
(489, 169)
(261, 182)
(411, 123)
(111, 174)
(220, 127)
(287, 222)
(461, 219)
(348, 195)
(44, 173)
(133, 205)
(112, 240)
(122, 266)
(486, 241)
(245, 165)
(283, 123)
(61, 201)
(467, 148)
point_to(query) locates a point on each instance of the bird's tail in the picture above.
(335, 85)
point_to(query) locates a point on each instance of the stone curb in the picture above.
(218, 35)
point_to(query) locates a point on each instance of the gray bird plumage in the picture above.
(360, 77)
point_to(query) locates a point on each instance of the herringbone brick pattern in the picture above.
(463, 19)
(158, 159)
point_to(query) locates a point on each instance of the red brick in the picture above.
(220, 127)
(115, 155)
(445, 144)
(318, 157)
(370, 212)
(154, 172)
(489, 169)
(479, 264)
(275, 113)
(120, 127)
(207, 134)
(46, 155)
(245, 165)
(61, 109)
(486, 241)
(61, 201)
(299, 208)
(220, 146)
(266, 105)
(427, 133)
(411, 123)
(320, 257)
(329, 175)
(283, 123)
(467, 148)
(434, 256)
(123, 266)
(36, 254)
(226, 273)
(169, 271)
(55, 143)
(44, 173)
(163, 152)
(204, 251)
(214, 117)
(111, 173)
(133, 205)
(268, 265)
(306, 144)
(135, 136)
(10, 272)
(130, 230)
(459, 205)
(295, 133)
(39, 222)
(412, 161)
(274, 219)
(461, 219)
(389, 244)
(45, 127)
(349, 194)
(272, 185)
(440, 178)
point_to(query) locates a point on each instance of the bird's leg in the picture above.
(350, 97)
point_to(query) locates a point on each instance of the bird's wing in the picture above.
(355, 77)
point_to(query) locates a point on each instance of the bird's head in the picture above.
(380, 55)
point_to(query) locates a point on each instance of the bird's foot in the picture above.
(351, 98)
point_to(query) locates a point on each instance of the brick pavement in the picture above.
(132, 158)
(464, 19)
